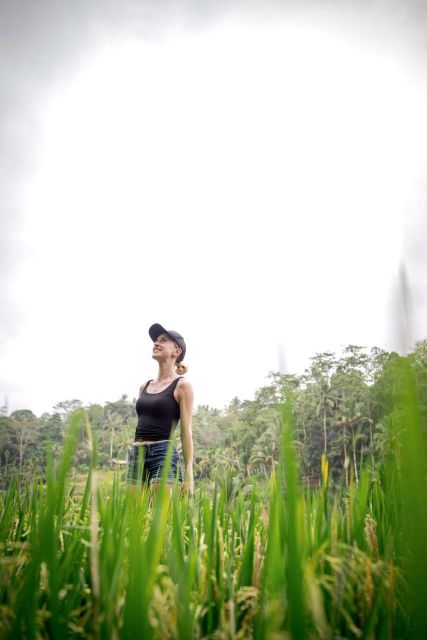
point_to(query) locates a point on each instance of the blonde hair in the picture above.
(181, 368)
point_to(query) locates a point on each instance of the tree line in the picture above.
(343, 411)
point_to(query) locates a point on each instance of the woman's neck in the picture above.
(166, 371)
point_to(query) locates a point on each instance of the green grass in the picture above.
(86, 560)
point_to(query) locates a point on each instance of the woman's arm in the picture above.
(186, 398)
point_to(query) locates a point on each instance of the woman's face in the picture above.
(164, 348)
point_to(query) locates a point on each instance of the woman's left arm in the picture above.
(186, 397)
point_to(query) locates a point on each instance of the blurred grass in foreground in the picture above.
(283, 561)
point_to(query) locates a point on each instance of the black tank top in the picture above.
(158, 413)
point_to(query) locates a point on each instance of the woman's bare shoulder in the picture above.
(184, 383)
(184, 388)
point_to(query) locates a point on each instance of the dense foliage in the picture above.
(342, 408)
(264, 558)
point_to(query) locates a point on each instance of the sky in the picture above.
(252, 175)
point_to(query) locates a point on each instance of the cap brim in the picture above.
(155, 330)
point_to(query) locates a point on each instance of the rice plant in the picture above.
(280, 560)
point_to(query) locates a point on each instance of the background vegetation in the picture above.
(309, 518)
(342, 408)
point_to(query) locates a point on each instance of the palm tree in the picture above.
(265, 451)
(112, 423)
(320, 374)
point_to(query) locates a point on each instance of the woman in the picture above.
(168, 400)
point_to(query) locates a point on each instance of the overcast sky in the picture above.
(250, 176)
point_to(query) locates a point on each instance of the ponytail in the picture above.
(181, 368)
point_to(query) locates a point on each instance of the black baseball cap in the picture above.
(156, 329)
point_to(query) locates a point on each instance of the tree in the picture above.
(320, 373)
(50, 430)
(351, 409)
(6, 437)
(265, 452)
(112, 423)
(418, 361)
(66, 408)
(23, 424)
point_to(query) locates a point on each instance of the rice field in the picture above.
(273, 561)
